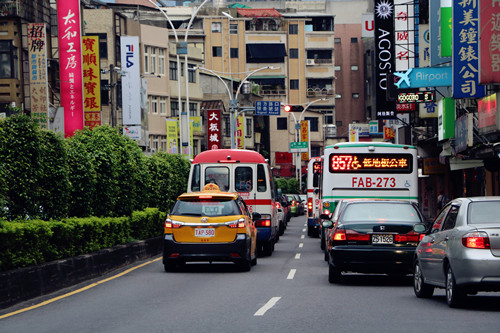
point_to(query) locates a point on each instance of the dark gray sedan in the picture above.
(460, 251)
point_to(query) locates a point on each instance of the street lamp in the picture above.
(233, 104)
(183, 117)
(296, 137)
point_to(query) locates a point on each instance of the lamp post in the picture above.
(233, 104)
(296, 138)
(185, 137)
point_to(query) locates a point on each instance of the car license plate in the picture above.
(204, 232)
(382, 239)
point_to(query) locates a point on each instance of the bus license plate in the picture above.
(382, 239)
(204, 232)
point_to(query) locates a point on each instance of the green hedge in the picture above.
(33, 242)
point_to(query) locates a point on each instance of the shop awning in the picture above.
(459, 164)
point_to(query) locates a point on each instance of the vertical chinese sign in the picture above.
(304, 137)
(214, 136)
(91, 81)
(465, 58)
(404, 25)
(172, 135)
(131, 81)
(240, 132)
(489, 41)
(384, 57)
(38, 74)
(70, 64)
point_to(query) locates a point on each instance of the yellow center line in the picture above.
(78, 290)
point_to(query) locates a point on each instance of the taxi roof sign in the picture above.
(211, 188)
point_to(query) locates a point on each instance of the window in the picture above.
(243, 180)
(338, 96)
(174, 109)
(354, 68)
(219, 176)
(104, 92)
(8, 55)
(146, 59)
(294, 53)
(163, 142)
(216, 27)
(294, 84)
(313, 123)
(249, 127)
(337, 40)
(154, 104)
(154, 142)
(233, 28)
(161, 61)
(282, 123)
(163, 105)
(234, 52)
(338, 123)
(191, 73)
(355, 95)
(354, 39)
(338, 68)
(153, 60)
(103, 44)
(195, 180)
(193, 110)
(261, 179)
(227, 127)
(216, 51)
(293, 29)
(173, 70)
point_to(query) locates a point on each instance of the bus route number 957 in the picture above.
(379, 182)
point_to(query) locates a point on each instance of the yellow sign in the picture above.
(172, 135)
(304, 137)
(91, 81)
(240, 132)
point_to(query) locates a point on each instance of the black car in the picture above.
(374, 236)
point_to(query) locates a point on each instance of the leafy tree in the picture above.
(282, 184)
(293, 186)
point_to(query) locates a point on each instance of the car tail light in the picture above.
(352, 235)
(411, 237)
(278, 205)
(476, 240)
(238, 224)
(169, 224)
(339, 235)
(263, 223)
(293, 202)
(310, 205)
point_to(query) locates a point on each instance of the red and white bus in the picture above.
(314, 172)
(248, 173)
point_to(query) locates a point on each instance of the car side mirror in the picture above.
(325, 216)
(420, 228)
(256, 216)
(327, 224)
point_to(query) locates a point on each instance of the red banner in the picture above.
(489, 41)
(70, 64)
(214, 133)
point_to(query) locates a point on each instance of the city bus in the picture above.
(314, 170)
(369, 170)
(249, 174)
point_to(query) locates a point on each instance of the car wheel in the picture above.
(334, 274)
(322, 241)
(454, 294)
(169, 266)
(310, 231)
(254, 261)
(326, 255)
(421, 289)
(282, 229)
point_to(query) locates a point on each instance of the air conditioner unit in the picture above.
(310, 62)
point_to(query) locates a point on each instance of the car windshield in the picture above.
(484, 212)
(379, 211)
(206, 208)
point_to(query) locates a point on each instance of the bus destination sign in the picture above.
(416, 97)
(366, 163)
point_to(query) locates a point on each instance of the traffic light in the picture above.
(293, 108)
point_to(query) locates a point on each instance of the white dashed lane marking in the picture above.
(291, 274)
(272, 302)
(297, 256)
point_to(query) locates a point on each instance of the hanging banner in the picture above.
(435, 35)
(424, 46)
(131, 81)
(214, 130)
(240, 132)
(446, 28)
(70, 64)
(465, 59)
(305, 137)
(39, 95)
(384, 57)
(489, 38)
(91, 81)
(172, 136)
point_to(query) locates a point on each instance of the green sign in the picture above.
(446, 30)
(299, 147)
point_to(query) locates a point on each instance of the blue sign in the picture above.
(267, 108)
(424, 77)
(465, 58)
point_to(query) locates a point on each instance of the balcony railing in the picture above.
(272, 92)
(31, 10)
(311, 92)
(310, 62)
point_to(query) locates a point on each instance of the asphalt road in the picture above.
(288, 291)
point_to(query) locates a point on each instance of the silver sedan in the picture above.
(460, 250)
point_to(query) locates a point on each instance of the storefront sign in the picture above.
(435, 36)
(446, 27)
(214, 130)
(489, 37)
(424, 77)
(404, 34)
(91, 81)
(131, 81)
(488, 114)
(37, 52)
(446, 118)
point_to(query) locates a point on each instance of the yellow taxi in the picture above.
(210, 225)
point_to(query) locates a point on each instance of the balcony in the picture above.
(30, 10)
(310, 62)
(313, 92)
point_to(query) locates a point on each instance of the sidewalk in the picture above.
(23, 284)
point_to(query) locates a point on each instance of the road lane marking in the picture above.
(301, 245)
(79, 290)
(304, 230)
(302, 237)
(272, 302)
(297, 256)
(291, 274)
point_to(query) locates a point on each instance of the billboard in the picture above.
(131, 81)
(214, 130)
(489, 37)
(91, 81)
(37, 52)
(70, 64)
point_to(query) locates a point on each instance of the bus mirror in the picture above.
(256, 216)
